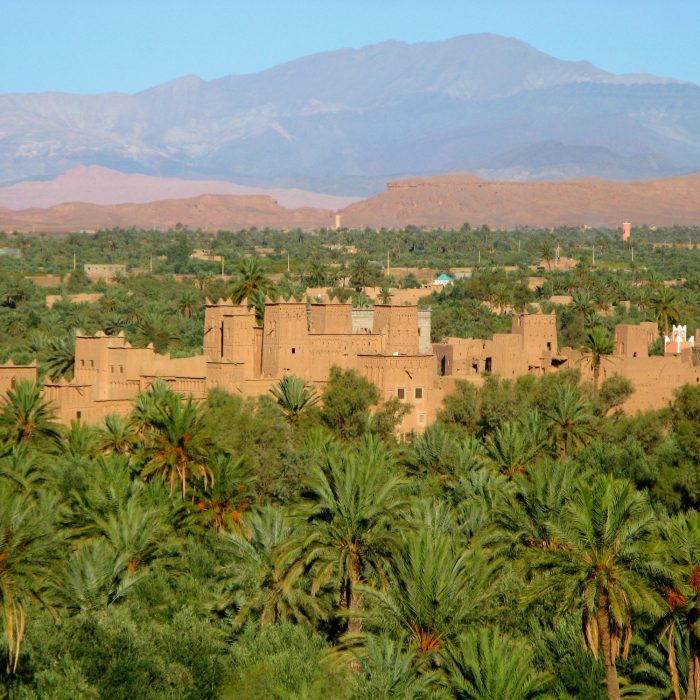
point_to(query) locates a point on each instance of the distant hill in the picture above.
(209, 212)
(347, 120)
(450, 200)
(98, 185)
(442, 201)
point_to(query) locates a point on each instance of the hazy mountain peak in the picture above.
(476, 102)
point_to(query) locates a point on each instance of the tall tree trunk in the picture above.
(596, 374)
(611, 681)
(354, 600)
(693, 660)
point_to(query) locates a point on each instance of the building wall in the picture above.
(331, 318)
(285, 348)
(634, 340)
(411, 379)
(399, 327)
(12, 373)
(539, 335)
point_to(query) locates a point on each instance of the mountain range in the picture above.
(344, 122)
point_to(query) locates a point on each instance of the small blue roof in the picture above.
(444, 278)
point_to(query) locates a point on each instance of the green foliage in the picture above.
(283, 661)
(347, 399)
(306, 550)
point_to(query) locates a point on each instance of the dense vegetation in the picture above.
(535, 542)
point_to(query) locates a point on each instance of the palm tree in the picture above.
(569, 418)
(178, 445)
(118, 435)
(665, 304)
(93, 577)
(347, 522)
(79, 441)
(606, 560)
(60, 357)
(252, 279)
(26, 417)
(154, 328)
(524, 516)
(114, 323)
(486, 663)
(294, 397)
(259, 585)
(387, 669)
(138, 532)
(509, 449)
(385, 295)
(317, 275)
(436, 588)
(682, 537)
(187, 303)
(256, 301)
(596, 347)
(360, 271)
(547, 253)
(433, 452)
(29, 552)
(582, 304)
(148, 404)
(229, 494)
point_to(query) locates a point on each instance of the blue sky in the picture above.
(90, 46)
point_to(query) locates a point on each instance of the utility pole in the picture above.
(150, 264)
(632, 251)
(557, 250)
(74, 262)
(288, 261)
(593, 248)
(222, 267)
(387, 263)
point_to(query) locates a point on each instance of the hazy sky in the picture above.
(90, 46)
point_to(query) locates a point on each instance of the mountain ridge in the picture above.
(385, 110)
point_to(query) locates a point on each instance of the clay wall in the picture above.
(424, 331)
(73, 401)
(539, 335)
(362, 320)
(104, 272)
(214, 313)
(331, 318)
(84, 298)
(634, 340)
(286, 347)
(399, 327)
(11, 373)
(411, 379)
(463, 357)
(507, 356)
(242, 340)
(340, 350)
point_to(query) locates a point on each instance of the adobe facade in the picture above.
(387, 344)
